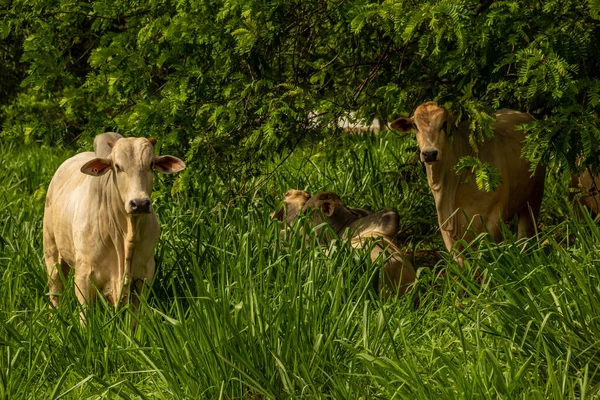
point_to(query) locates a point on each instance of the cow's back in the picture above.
(102, 148)
(503, 151)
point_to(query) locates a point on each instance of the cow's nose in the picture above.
(139, 206)
(429, 156)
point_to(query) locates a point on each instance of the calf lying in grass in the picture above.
(371, 231)
(292, 203)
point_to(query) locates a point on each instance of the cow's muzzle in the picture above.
(139, 206)
(429, 156)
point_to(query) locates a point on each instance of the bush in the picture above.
(234, 82)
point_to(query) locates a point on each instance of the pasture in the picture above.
(236, 311)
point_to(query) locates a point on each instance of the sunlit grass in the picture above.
(237, 312)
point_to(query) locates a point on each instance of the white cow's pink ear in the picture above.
(403, 125)
(97, 166)
(168, 164)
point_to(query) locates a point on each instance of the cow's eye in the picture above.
(118, 167)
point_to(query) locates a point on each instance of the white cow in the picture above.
(99, 220)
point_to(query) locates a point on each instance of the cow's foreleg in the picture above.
(125, 287)
(83, 287)
(141, 285)
(455, 250)
(131, 240)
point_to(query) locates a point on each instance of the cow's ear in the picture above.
(327, 208)
(152, 141)
(403, 125)
(97, 166)
(168, 164)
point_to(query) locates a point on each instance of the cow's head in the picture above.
(132, 162)
(293, 200)
(432, 123)
(328, 207)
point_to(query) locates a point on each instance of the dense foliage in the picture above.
(234, 82)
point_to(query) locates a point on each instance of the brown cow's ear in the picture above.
(97, 166)
(327, 208)
(403, 125)
(152, 141)
(168, 164)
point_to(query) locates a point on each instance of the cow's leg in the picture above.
(493, 225)
(454, 250)
(57, 273)
(398, 275)
(56, 268)
(83, 287)
(528, 214)
(141, 284)
(526, 223)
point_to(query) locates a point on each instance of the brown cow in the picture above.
(463, 210)
(99, 221)
(398, 272)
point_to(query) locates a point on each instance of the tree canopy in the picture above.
(233, 82)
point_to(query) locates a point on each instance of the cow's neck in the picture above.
(444, 181)
(341, 220)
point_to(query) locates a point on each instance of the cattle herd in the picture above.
(99, 220)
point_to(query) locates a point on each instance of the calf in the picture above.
(398, 272)
(293, 200)
(99, 220)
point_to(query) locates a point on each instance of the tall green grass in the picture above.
(236, 311)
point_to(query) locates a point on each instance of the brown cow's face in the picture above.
(323, 206)
(294, 201)
(132, 162)
(431, 123)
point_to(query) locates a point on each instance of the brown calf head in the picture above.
(293, 200)
(432, 123)
(328, 207)
(132, 161)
